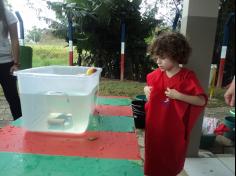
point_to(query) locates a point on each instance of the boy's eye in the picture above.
(159, 57)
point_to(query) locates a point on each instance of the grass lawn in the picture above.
(132, 89)
(44, 55)
(118, 88)
(218, 99)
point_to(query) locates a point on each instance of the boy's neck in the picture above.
(173, 71)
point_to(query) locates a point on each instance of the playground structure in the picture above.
(109, 147)
(41, 149)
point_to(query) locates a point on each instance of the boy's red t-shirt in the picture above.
(169, 122)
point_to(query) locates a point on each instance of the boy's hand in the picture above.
(172, 93)
(147, 91)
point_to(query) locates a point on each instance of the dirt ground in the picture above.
(219, 112)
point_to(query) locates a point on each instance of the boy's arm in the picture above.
(194, 100)
(147, 91)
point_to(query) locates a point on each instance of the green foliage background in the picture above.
(100, 24)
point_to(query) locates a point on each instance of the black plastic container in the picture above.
(138, 108)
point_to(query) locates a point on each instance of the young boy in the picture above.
(175, 101)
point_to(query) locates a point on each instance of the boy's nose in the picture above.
(158, 61)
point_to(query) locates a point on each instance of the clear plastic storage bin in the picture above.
(57, 98)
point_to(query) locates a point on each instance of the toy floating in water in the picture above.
(90, 71)
(60, 120)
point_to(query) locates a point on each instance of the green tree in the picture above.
(34, 35)
(97, 31)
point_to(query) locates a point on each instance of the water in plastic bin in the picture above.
(57, 111)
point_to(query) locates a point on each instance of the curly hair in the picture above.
(173, 45)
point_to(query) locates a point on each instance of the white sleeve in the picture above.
(11, 19)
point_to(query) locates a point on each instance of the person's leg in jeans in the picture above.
(9, 86)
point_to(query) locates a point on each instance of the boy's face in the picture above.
(165, 63)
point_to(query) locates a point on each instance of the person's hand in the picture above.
(172, 93)
(14, 68)
(147, 91)
(230, 95)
